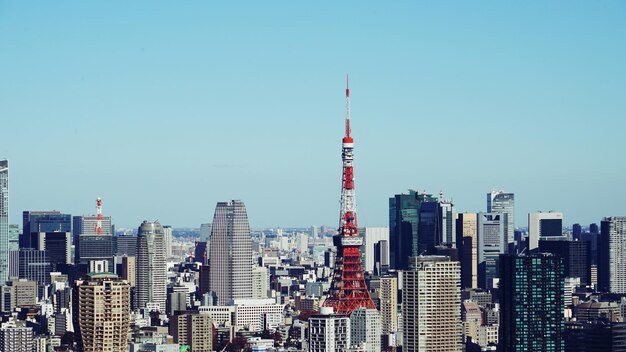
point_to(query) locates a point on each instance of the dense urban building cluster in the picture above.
(434, 279)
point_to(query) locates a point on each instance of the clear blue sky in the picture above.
(165, 108)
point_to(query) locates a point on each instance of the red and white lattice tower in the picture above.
(99, 216)
(348, 290)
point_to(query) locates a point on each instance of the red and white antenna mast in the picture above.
(348, 289)
(99, 216)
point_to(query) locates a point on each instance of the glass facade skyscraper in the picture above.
(4, 221)
(503, 203)
(531, 303)
(417, 224)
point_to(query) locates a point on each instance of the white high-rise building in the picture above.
(612, 255)
(544, 225)
(260, 282)
(371, 236)
(167, 232)
(4, 221)
(503, 203)
(388, 304)
(151, 277)
(329, 332)
(365, 329)
(431, 300)
(231, 253)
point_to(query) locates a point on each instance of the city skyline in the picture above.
(214, 94)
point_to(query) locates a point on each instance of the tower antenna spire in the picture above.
(348, 289)
(348, 130)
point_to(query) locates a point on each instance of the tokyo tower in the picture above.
(348, 290)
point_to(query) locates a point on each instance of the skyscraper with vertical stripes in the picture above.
(4, 221)
(230, 256)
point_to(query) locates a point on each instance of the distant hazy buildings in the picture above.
(231, 253)
(612, 255)
(431, 300)
(4, 221)
(372, 236)
(531, 301)
(151, 285)
(103, 313)
(503, 203)
(544, 225)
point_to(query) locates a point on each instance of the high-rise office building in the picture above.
(329, 332)
(231, 252)
(417, 224)
(403, 229)
(14, 237)
(576, 257)
(18, 293)
(4, 221)
(167, 231)
(88, 224)
(612, 255)
(371, 236)
(431, 300)
(57, 245)
(129, 270)
(151, 285)
(365, 329)
(94, 247)
(205, 232)
(125, 245)
(34, 222)
(260, 282)
(544, 226)
(381, 257)
(503, 203)
(531, 303)
(200, 253)
(491, 243)
(388, 298)
(467, 245)
(102, 315)
(33, 265)
(192, 329)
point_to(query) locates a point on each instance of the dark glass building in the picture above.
(34, 222)
(598, 335)
(125, 245)
(576, 257)
(531, 303)
(57, 245)
(417, 224)
(94, 247)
